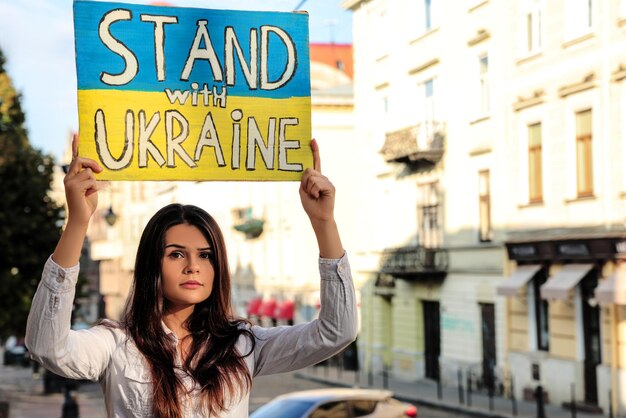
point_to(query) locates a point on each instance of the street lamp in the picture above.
(110, 217)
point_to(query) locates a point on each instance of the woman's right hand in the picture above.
(81, 187)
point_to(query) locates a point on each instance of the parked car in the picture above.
(336, 403)
(16, 355)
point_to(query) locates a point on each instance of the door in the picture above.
(432, 335)
(591, 336)
(488, 322)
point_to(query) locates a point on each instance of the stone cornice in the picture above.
(424, 66)
(587, 83)
(524, 102)
(351, 4)
(619, 74)
(481, 35)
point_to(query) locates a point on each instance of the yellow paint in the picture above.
(621, 334)
(519, 323)
(519, 304)
(564, 347)
(563, 326)
(115, 105)
(518, 341)
(559, 308)
(383, 328)
(406, 320)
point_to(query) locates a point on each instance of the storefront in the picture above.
(561, 333)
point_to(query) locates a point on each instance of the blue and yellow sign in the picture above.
(168, 93)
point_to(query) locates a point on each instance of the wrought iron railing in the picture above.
(414, 259)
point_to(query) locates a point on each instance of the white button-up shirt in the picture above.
(107, 355)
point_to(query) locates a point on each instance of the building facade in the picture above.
(565, 202)
(423, 105)
(495, 129)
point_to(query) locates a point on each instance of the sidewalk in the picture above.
(26, 400)
(424, 392)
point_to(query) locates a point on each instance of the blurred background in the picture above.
(477, 147)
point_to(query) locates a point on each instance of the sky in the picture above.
(37, 39)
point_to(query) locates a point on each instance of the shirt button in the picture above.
(60, 276)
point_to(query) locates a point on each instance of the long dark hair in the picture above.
(213, 362)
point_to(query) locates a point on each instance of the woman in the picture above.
(178, 351)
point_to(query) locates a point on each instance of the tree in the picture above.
(30, 220)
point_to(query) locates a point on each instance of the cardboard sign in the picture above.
(167, 93)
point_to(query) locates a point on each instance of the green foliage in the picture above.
(29, 219)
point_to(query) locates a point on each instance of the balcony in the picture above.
(415, 263)
(421, 144)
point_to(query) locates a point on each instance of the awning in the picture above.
(520, 277)
(285, 310)
(559, 285)
(253, 306)
(613, 289)
(267, 308)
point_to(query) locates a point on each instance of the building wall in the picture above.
(570, 71)
(391, 67)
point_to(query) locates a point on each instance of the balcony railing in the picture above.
(415, 262)
(420, 143)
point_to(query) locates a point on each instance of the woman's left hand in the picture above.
(317, 193)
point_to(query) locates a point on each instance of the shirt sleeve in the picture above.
(286, 348)
(82, 354)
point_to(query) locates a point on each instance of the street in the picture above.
(27, 400)
(266, 387)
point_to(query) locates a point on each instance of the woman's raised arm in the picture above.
(317, 194)
(81, 192)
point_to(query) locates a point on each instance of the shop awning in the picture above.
(559, 285)
(613, 289)
(520, 277)
(285, 310)
(267, 308)
(253, 306)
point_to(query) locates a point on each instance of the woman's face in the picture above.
(186, 269)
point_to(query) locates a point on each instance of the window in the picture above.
(428, 15)
(429, 100)
(427, 130)
(363, 407)
(540, 313)
(331, 410)
(578, 17)
(429, 219)
(483, 75)
(380, 106)
(484, 207)
(421, 16)
(531, 24)
(378, 40)
(584, 164)
(535, 186)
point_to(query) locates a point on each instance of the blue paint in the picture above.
(94, 57)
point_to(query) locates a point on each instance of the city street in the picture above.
(26, 398)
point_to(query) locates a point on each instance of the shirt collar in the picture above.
(169, 332)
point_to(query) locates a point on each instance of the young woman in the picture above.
(178, 350)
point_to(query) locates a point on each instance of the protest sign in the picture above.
(168, 93)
